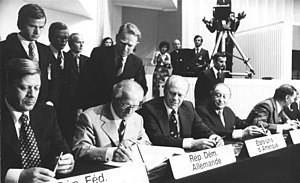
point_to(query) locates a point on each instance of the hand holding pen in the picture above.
(123, 152)
(64, 164)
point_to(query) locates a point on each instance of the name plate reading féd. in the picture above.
(265, 144)
(127, 174)
(200, 161)
(295, 136)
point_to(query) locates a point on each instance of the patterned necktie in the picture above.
(28, 145)
(121, 130)
(31, 52)
(119, 66)
(60, 60)
(219, 75)
(173, 124)
(221, 118)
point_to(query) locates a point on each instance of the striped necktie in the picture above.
(121, 130)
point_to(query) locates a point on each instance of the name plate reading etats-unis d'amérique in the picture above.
(265, 144)
(127, 174)
(295, 136)
(200, 161)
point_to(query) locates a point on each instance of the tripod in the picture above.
(222, 37)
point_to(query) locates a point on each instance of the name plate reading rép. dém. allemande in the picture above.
(200, 161)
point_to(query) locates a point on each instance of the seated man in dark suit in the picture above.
(221, 119)
(269, 113)
(208, 78)
(171, 121)
(31, 22)
(110, 65)
(30, 136)
(106, 132)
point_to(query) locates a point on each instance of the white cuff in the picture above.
(110, 153)
(237, 134)
(187, 143)
(12, 175)
(279, 128)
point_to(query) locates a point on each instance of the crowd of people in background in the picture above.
(93, 108)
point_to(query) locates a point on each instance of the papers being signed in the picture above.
(151, 156)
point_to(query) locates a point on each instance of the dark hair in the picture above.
(131, 29)
(164, 43)
(197, 36)
(104, 40)
(33, 11)
(19, 67)
(54, 27)
(283, 91)
(218, 54)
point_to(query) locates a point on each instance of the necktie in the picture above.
(31, 52)
(121, 130)
(219, 75)
(119, 66)
(173, 125)
(60, 60)
(77, 63)
(221, 117)
(28, 145)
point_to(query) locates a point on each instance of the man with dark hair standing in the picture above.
(269, 113)
(208, 78)
(198, 58)
(31, 22)
(30, 137)
(110, 65)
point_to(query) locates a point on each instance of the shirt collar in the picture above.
(169, 110)
(55, 51)
(115, 116)
(25, 42)
(14, 113)
(278, 107)
(215, 71)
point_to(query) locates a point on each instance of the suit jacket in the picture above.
(157, 123)
(266, 113)
(213, 121)
(179, 61)
(12, 48)
(293, 112)
(98, 78)
(197, 62)
(47, 133)
(206, 80)
(95, 132)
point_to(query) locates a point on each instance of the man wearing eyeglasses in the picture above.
(106, 132)
(172, 121)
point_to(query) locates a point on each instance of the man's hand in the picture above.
(122, 153)
(200, 144)
(291, 125)
(65, 164)
(36, 174)
(218, 140)
(252, 131)
(241, 15)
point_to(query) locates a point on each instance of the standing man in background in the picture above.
(31, 22)
(177, 58)
(110, 65)
(208, 78)
(74, 64)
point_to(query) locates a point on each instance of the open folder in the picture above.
(151, 156)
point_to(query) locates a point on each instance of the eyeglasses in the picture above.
(131, 107)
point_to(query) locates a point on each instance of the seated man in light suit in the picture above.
(30, 136)
(101, 134)
(162, 113)
(269, 113)
(221, 119)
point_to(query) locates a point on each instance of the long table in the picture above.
(282, 166)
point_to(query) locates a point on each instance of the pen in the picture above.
(264, 130)
(128, 157)
(55, 168)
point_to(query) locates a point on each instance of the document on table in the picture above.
(152, 156)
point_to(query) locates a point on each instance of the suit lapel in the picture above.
(163, 117)
(108, 126)
(215, 116)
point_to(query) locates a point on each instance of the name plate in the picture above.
(265, 144)
(135, 173)
(295, 136)
(200, 161)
